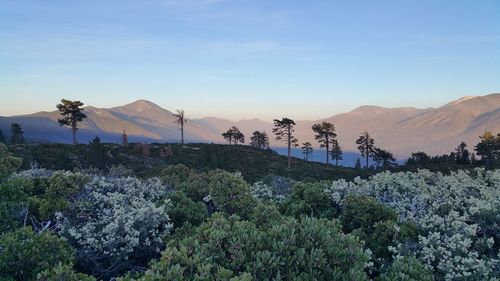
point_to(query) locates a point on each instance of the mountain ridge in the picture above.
(402, 129)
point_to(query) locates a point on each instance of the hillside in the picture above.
(149, 160)
(401, 130)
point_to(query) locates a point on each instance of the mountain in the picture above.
(401, 130)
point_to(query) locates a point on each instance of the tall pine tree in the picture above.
(259, 140)
(336, 152)
(284, 129)
(307, 150)
(16, 133)
(325, 134)
(366, 146)
(72, 115)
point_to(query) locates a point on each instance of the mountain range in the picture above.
(400, 130)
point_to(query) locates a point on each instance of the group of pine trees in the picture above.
(488, 148)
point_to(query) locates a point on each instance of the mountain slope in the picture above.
(401, 130)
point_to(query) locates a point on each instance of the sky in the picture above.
(247, 58)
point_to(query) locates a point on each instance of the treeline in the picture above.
(488, 149)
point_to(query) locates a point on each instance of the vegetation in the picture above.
(336, 152)
(16, 133)
(211, 224)
(180, 120)
(71, 112)
(234, 136)
(283, 129)
(215, 212)
(307, 150)
(325, 135)
(366, 146)
(259, 140)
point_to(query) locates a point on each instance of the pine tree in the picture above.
(72, 114)
(284, 129)
(357, 165)
(366, 146)
(307, 150)
(2, 137)
(17, 133)
(238, 137)
(259, 140)
(489, 147)
(462, 155)
(234, 136)
(383, 158)
(325, 134)
(124, 138)
(180, 120)
(336, 152)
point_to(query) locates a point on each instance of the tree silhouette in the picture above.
(234, 136)
(307, 150)
(124, 138)
(72, 114)
(336, 152)
(2, 137)
(462, 154)
(16, 133)
(488, 148)
(259, 140)
(419, 158)
(357, 165)
(180, 120)
(383, 158)
(325, 133)
(366, 145)
(283, 129)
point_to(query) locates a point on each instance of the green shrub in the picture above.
(14, 203)
(309, 199)
(175, 174)
(231, 194)
(61, 185)
(8, 163)
(363, 212)
(225, 248)
(63, 273)
(25, 253)
(184, 210)
(406, 269)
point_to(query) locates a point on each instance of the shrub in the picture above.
(406, 269)
(63, 273)
(224, 248)
(116, 223)
(309, 199)
(8, 163)
(24, 253)
(445, 208)
(184, 210)
(61, 185)
(363, 212)
(231, 194)
(14, 203)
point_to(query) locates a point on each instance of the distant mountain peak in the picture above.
(466, 98)
(140, 106)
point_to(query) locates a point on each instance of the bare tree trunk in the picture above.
(182, 132)
(327, 150)
(289, 145)
(73, 129)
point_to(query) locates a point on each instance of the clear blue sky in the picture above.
(247, 58)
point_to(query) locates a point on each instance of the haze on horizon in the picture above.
(247, 59)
